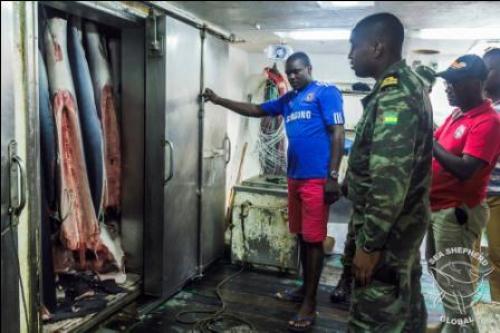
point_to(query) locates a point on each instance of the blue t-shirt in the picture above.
(307, 113)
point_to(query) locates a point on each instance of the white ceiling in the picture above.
(241, 18)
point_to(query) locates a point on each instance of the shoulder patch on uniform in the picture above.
(390, 118)
(389, 81)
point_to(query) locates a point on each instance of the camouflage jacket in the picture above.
(390, 163)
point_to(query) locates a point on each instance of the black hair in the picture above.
(383, 26)
(302, 56)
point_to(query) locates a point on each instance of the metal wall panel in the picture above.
(216, 153)
(10, 285)
(172, 89)
(132, 125)
(155, 126)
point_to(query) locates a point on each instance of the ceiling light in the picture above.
(481, 46)
(316, 34)
(459, 33)
(426, 51)
(344, 4)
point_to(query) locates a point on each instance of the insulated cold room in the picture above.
(92, 165)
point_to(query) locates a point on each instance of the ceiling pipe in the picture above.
(194, 20)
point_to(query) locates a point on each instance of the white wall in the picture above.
(237, 126)
(326, 67)
(336, 68)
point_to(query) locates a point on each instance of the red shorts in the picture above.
(307, 211)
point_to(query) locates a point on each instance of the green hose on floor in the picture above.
(215, 317)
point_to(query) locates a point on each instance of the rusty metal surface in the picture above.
(260, 233)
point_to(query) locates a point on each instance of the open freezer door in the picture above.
(173, 63)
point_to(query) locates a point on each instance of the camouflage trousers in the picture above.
(450, 245)
(393, 301)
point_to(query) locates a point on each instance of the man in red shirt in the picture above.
(466, 148)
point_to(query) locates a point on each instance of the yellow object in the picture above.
(389, 81)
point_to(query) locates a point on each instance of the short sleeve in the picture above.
(483, 140)
(274, 107)
(331, 106)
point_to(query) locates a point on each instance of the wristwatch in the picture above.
(334, 174)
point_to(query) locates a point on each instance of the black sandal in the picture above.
(297, 324)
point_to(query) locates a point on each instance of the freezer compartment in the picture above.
(259, 233)
(129, 91)
(128, 73)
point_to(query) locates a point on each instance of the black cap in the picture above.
(467, 66)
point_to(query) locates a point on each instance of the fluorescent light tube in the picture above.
(344, 4)
(316, 34)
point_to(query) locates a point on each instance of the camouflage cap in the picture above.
(427, 74)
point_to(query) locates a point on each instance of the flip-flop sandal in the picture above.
(289, 295)
(307, 322)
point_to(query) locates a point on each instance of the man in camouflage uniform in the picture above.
(342, 292)
(388, 183)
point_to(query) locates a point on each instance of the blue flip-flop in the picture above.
(308, 320)
(289, 295)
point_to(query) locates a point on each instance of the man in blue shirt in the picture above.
(314, 123)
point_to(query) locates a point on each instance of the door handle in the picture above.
(171, 161)
(17, 181)
(227, 143)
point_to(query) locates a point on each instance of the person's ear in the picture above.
(309, 70)
(378, 49)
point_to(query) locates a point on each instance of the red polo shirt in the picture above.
(475, 133)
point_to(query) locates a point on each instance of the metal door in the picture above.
(216, 153)
(172, 89)
(12, 194)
